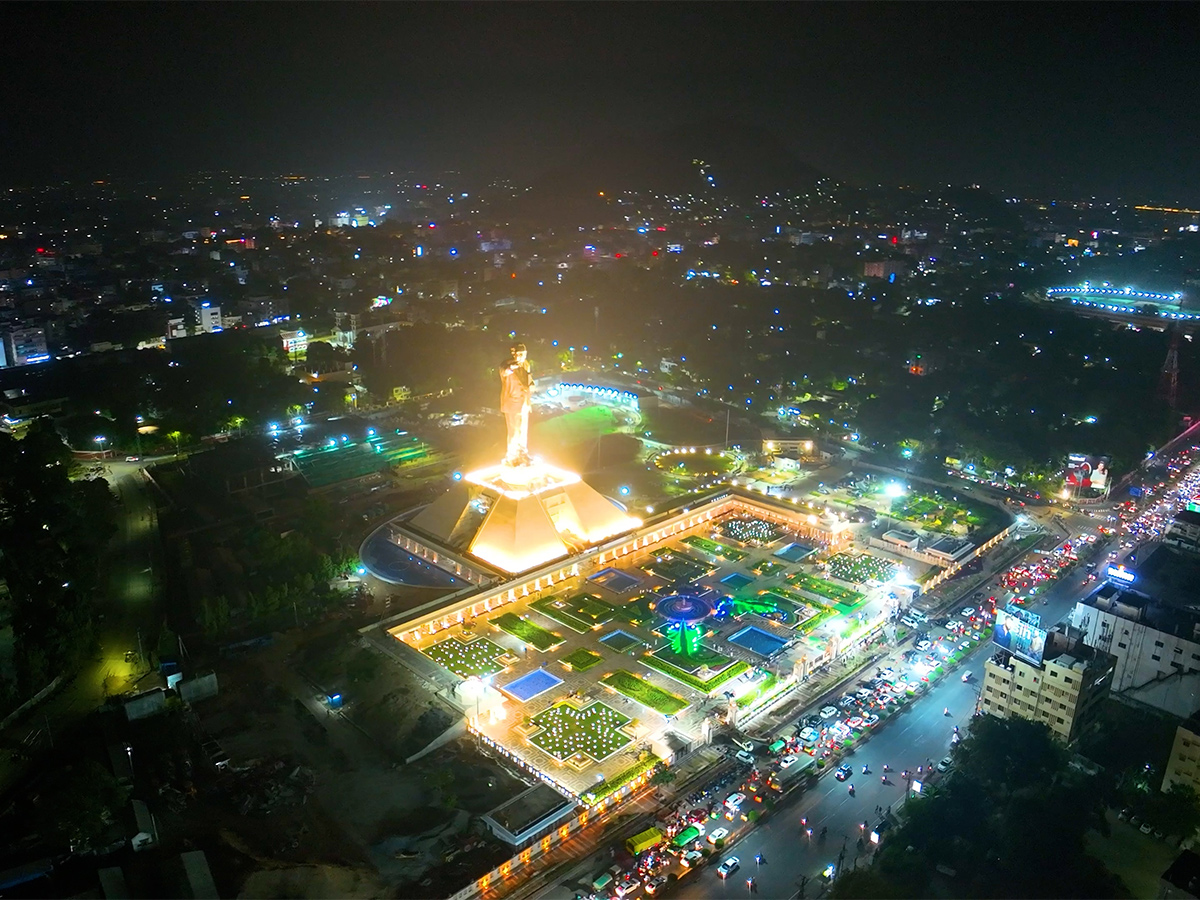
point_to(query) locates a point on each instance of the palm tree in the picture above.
(175, 436)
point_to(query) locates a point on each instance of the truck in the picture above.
(643, 841)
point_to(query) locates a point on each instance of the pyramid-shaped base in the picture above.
(516, 518)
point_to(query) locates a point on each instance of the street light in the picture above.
(101, 440)
(129, 753)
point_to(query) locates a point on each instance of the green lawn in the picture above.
(524, 630)
(644, 693)
(768, 568)
(685, 677)
(676, 566)
(582, 660)
(702, 657)
(713, 548)
(638, 612)
(477, 657)
(593, 731)
(580, 613)
(827, 589)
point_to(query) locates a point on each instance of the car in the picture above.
(627, 887)
(870, 719)
(810, 735)
(855, 722)
(863, 693)
(1123, 815)
(718, 834)
(788, 761)
(829, 712)
(923, 645)
(733, 801)
(945, 764)
(133, 459)
(812, 721)
(1145, 828)
(909, 623)
(743, 757)
(656, 884)
(728, 867)
(843, 773)
(968, 612)
(964, 645)
(691, 858)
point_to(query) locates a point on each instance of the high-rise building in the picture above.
(208, 317)
(1064, 692)
(23, 346)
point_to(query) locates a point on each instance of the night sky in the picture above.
(1069, 100)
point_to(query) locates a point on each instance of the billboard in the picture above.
(1029, 618)
(1083, 472)
(1019, 638)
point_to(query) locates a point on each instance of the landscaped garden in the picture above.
(644, 692)
(580, 613)
(618, 781)
(686, 676)
(936, 512)
(675, 566)
(593, 731)
(528, 632)
(767, 568)
(582, 660)
(750, 530)
(859, 568)
(827, 589)
(639, 611)
(478, 657)
(713, 548)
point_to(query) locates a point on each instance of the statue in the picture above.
(515, 384)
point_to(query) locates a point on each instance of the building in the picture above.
(921, 362)
(208, 317)
(1183, 765)
(294, 341)
(1149, 640)
(176, 328)
(1063, 692)
(885, 268)
(24, 346)
(1182, 878)
(1184, 531)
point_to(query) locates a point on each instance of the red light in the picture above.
(895, 240)
(617, 255)
(41, 250)
(654, 253)
(513, 275)
(661, 228)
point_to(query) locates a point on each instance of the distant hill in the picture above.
(745, 160)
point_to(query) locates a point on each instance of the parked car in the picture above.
(829, 712)
(945, 764)
(728, 867)
(656, 884)
(1145, 828)
(744, 757)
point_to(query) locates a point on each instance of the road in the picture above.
(129, 606)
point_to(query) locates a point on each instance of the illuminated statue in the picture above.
(515, 383)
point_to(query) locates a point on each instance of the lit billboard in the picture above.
(1019, 638)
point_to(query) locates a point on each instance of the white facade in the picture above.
(1143, 653)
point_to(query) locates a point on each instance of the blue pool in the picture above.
(529, 686)
(620, 641)
(758, 641)
(615, 580)
(794, 552)
(395, 565)
(737, 580)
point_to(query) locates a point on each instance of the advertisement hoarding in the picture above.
(1019, 638)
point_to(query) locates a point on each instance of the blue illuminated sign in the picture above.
(1121, 574)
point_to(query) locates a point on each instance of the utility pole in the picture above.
(727, 413)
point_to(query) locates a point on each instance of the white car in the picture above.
(691, 858)
(655, 884)
(788, 761)
(810, 735)
(968, 612)
(718, 835)
(728, 867)
(945, 765)
(829, 712)
(744, 757)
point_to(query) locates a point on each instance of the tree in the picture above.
(78, 805)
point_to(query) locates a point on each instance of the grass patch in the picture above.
(697, 684)
(593, 731)
(859, 568)
(826, 589)
(644, 693)
(581, 613)
(526, 631)
(477, 657)
(768, 568)
(713, 548)
(581, 660)
(618, 781)
(762, 689)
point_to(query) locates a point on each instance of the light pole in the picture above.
(129, 753)
(101, 440)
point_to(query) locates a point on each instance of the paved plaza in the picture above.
(613, 687)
